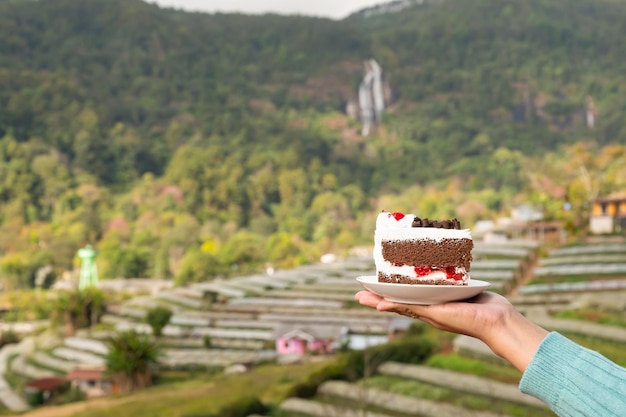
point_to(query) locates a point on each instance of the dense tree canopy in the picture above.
(190, 145)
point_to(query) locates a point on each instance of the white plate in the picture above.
(422, 294)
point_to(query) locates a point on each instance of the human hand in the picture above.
(474, 317)
(489, 317)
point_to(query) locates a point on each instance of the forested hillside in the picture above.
(190, 145)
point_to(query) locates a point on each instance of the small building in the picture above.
(541, 231)
(294, 339)
(41, 390)
(91, 380)
(608, 214)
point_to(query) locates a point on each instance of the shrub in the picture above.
(158, 317)
(415, 329)
(34, 398)
(206, 340)
(7, 337)
(70, 395)
(242, 407)
(407, 350)
(308, 388)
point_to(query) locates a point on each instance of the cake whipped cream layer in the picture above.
(410, 250)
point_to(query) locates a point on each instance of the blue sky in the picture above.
(335, 9)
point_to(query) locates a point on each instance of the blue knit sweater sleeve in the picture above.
(575, 381)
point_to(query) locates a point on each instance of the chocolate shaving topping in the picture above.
(440, 224)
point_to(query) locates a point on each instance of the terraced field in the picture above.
(221, 323)
(471, 380)
(573, 268)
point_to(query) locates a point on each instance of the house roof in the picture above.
(85, 375)
(613, 197)
(46, 384)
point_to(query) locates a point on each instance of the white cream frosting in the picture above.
(388, 228)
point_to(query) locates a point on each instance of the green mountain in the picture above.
(169, 138)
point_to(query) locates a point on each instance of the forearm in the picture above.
(575, 381)
(515, 338)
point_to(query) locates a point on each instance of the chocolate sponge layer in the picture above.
(446, 252)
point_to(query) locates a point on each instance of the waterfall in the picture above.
(371, 96)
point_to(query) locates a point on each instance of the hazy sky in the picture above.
(336, 9)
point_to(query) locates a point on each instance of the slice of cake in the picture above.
(410, 250)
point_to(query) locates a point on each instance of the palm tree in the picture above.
(131, 359)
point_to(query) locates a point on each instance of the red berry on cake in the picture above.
(397, 215)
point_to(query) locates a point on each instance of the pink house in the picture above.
(292, 340)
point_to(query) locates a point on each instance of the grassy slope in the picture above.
(270, 383)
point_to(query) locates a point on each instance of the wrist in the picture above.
(515, 338)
